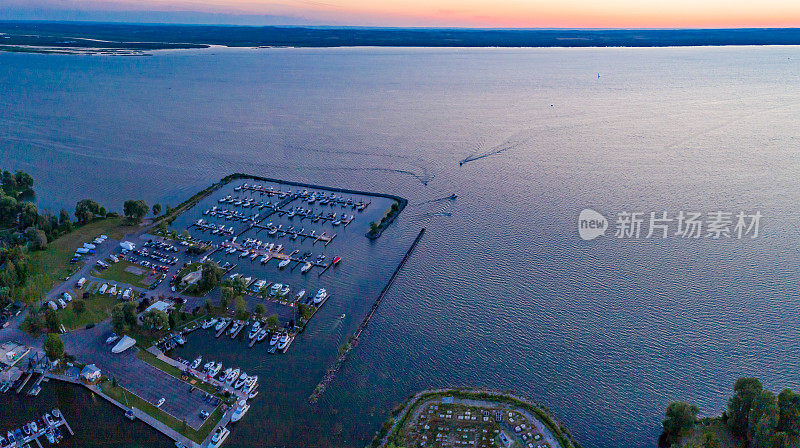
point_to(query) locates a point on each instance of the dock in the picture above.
(239, 330)
(283, 232)
(222, 330)
(61, 421)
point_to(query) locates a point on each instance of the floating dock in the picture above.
(42, 432)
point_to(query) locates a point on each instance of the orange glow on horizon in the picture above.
(487, 13)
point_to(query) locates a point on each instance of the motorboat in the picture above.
(285, 290)
(212, 372)
(299, 296)
(234, 328)
(255, 330)
(225, 373)
(252, 395)
(232, 376)
(219, 437)
(111, 339)
(50, 436)
(208, 365)
(221, 324)
(275, 289)
(262, 334)
(283, 342)
(160, 402)
(306, 267)
(196, 363)
(34, 427)
(274, 340)
(284, 263)
(180, 339)
(320, 297)
(210, 323)
(336, 260)
(26, 430)
(241, 381)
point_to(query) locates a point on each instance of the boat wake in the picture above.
(511, 143)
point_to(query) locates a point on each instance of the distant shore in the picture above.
(136, 39)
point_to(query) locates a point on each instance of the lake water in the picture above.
(501, 292)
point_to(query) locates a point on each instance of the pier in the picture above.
(222, 330)
(51, 423)
(283, 232)
(334, 368)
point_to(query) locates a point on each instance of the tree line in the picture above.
(754, 415)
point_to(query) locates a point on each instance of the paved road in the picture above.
(136, 375)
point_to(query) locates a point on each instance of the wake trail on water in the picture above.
(513, 142)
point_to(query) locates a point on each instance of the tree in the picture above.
(118, 317)
(260, 309)
(32, 323)
(37, 239)
(28, 215)
(763, 419)
(78, 305)
(740, 405)
(210, 276)
(135, 210)
(241, 308)
(155, 319)
(63, 217)
(789, 412)
(373, 227)
(305, 311)
(85, 210)
(51, 320)
(53, 346)
(679, 418)
(273, 323)
(123, 315)
(207, 306)
(156, 209)
(172, 322)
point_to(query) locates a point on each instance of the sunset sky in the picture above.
(461, 13)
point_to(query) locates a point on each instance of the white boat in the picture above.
(219, 437)
(160, 402)
(284, 263)
(210, 323)
(225, 373)
(208, 365)
(241, 409)
(196, 363)
(283, 342)
(306, 267)
(275, 289)
(125, 343)
(261, 335)
(274, 339)
(252, 394)
(232, 376)
(320, 296)
(255, 329)
(285, 290)
(34, 427)
(220, 324)
(240, 382)
(233, 328)
(111, 339)
(215, 370)
(299, 296)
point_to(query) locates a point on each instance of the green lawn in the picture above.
(51, 265)
(117, 273)
(98, 308)
(132, 400)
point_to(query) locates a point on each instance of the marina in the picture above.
(52, 427)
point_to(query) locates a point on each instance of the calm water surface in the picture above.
(501, 293)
